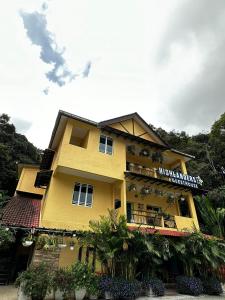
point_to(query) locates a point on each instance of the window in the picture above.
(106, 144)
(83, 195)
(79, 137)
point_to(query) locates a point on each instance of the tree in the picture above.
(14, 149)
(213, 218)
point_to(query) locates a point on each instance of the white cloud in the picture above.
(121, 39)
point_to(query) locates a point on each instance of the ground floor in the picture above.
(10, 293)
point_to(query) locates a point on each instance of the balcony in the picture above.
(166, 178)
(143, 217)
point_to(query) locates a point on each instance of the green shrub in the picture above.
(189, 285)
(212, 286)
(36, 281)
(157, 286)
(6, 237)
(63, 281)
(81, 275)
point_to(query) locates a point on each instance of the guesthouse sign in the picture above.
(180, 178)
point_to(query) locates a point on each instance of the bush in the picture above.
(105, 284)
(157, 286)
(6, 238)
(81, 275)
(122, 289)
(35, 281)
(63, 281)
(189, 285)
(93, 285)
(212, 286)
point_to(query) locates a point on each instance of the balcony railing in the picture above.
(140, 169)
(151, 218)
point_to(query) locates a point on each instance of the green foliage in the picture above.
(93, 286)
(189, 285)
(6, 237)
(212, 286)
(63, 280)
(14, 149)
(214, 218)
(36, 281)
(199, 254)
(81, 275)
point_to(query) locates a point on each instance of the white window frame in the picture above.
(106, 143)
(79, 194)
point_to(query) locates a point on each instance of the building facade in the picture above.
(90, 168)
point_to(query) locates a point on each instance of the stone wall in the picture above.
(50, 257)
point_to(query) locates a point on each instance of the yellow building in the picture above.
(119, 164)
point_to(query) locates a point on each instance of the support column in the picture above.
(183, 167)
(192, 210)
(123, 197)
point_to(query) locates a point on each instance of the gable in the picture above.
(132, 127)
(133, 124)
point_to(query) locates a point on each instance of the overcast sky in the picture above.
(104, 58)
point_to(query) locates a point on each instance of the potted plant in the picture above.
(35, 282)
(62, 283)
(51, 243)
(144, 152)
(170, 198)
(93, 287)
(145, 190)
(131, 149)
(132, 187)
(61, 243)
(81, 278)
(28, 240)
(106, 284)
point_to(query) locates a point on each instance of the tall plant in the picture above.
(213, 218)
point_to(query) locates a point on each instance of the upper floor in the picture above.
(108, 149)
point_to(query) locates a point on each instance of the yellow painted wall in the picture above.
(90, 159)
(26, 181)
(58, 210)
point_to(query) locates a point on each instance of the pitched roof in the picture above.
(139, 120)
(22, 211)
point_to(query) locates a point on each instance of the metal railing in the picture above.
(152, 218)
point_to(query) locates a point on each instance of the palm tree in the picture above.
(213, 218)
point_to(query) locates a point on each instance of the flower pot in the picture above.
(80, 294)
(108, 295)
(61, 246)
(93, 297)
(58, 295)
(27, 243)
(21, 295)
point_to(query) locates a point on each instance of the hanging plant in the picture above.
(132, 187)
(28, 240)
(146, 190)
(157, 157)
(170, 198)
(158, 193)
(182, 198)
(50, 243)
(61, 243)
(144, 152)
(131, 149)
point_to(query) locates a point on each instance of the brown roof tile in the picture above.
(22, 211)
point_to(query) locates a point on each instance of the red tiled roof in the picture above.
(22, 211)
(160, 231)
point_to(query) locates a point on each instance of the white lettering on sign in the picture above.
(180, 178)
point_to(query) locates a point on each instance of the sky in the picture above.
(100, 59)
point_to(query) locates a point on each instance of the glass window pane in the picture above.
(109, 146)
(102, 143)
(76, 193)
(89, 196)
(83, 194)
